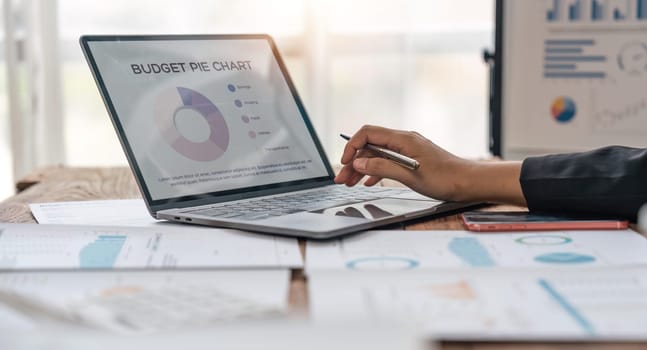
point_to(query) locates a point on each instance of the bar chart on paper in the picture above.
(95, 247)
(102, 252)
(90, 249)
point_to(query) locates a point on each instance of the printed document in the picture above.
(33, 246)
(599, 303)
(412, 250)
(117, 212)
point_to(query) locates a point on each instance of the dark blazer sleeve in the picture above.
(610, 181)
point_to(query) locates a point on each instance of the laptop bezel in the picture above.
(212, 197)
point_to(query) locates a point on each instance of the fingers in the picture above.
(356, 159)
(391, 139)
(345, 174)
(348, 176)
(372, 180)
(357, 177)
(382, 168)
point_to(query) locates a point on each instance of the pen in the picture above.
(398, 158)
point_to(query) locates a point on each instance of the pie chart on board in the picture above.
(175, 101)
(563, 109)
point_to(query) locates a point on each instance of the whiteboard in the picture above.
(573, 75)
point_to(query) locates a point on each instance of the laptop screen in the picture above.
(205, 114)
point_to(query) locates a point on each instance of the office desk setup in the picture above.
(57, 184)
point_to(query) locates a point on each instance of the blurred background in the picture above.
(408, 64)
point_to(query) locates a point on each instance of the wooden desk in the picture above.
(74, 184)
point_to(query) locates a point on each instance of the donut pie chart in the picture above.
(172, 101)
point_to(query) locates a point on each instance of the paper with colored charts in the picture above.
(409, 250)
(605, 303)
(32, 246)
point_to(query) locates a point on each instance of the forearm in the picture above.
(496, 182)
(610, 181)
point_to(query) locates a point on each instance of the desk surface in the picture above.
(73, 184)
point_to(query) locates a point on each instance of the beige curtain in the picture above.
(34, 84)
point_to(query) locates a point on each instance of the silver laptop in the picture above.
(216, 134)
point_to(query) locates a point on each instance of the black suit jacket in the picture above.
(610, 181)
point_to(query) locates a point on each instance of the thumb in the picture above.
(381, 167)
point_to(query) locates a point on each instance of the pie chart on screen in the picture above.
(563, 109)
(176, 101)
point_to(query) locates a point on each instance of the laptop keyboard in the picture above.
(265, 207)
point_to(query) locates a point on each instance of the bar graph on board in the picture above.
(596, 11)
(575, 11)
(573, 58)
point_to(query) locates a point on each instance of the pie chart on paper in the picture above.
(172, 102)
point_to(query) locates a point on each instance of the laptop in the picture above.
(216, 134)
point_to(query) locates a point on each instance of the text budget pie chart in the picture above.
(170, 103)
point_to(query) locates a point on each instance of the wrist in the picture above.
(464, 187)
(490, 182)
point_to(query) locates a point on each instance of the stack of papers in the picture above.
(604, 304)
(406, 250)
(31, 246)
(128, 237)
(51, 271)
(557, 285)
(462, 285)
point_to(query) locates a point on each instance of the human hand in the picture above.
(441, 175)
(436, 177)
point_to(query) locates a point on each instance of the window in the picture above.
(411, 64)
(6, 185)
